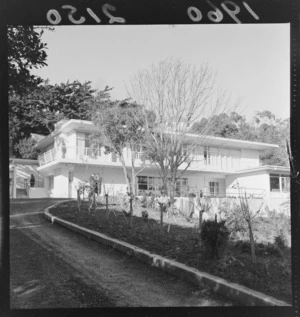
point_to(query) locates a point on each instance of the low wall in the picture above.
(38, 192)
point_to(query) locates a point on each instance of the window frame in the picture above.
(283, 183)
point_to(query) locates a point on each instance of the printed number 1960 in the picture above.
(216, 16)
(54, 17)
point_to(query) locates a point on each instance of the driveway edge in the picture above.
(235, 292)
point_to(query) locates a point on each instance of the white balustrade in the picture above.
(220, 161)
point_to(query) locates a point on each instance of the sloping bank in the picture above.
(235, 292)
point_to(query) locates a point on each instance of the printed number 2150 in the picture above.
(54, 17)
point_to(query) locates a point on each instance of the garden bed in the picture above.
(180, 241)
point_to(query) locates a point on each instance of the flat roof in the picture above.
(203, 140)
(23, 161)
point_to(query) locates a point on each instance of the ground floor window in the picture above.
(214, 189)
(279, 183)
(181, 188)
(154, 184)
(51, 182)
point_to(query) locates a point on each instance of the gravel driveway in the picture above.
(52, 267)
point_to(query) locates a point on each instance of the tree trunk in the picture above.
(200, 220)
(94, 202)
(106, 202)
(78, 200)
(131, 212)
(252, 242)
(133, 174)
(125, 173)
(161, 217)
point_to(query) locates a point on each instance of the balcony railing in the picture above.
(84, 154)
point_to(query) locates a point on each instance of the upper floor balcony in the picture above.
(221, 162)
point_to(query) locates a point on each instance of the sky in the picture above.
(252, 61)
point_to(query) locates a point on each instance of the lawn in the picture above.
(180, 241)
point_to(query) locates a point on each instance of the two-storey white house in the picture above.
(67, 158)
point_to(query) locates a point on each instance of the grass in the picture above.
(180, 241)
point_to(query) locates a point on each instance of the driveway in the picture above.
(52, 267)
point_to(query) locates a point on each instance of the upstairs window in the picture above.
(83, 140)
(206, 155)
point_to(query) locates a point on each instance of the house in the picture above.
(68, 158)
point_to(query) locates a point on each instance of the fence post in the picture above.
(94, 201)
(106, 202)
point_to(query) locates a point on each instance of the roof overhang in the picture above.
(23, 161)
(265, 168)
(85, 125)
(68, 126)
(232, 143)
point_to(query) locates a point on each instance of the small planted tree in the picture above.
(248, 214)
(204, 204)
(163, 202)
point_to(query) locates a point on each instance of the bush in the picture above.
(261, 248)
(280, 240)
(215, 236)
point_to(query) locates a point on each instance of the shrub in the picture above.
(280, 240)
(215, 237)
(261, 248)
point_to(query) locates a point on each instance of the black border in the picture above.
(33, 12)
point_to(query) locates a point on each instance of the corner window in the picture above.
(279, 183)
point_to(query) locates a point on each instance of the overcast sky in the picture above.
(252, 61)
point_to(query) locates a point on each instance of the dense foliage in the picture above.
(265, 127)
(214, 236)
(25, 51)
(34, 104)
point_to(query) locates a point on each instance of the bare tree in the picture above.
(179, 95)
(248, 215)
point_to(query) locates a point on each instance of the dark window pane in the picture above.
(274, 183)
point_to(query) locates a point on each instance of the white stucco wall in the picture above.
(249, 158)
(60, 189)
(260, 181)
(201, 181)
(113, 178)
(256, 180)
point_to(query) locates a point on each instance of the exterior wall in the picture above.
(113, 179)
(201, 182)
(249, 158)
(260, 181)
(72, 138)
(38, 193)
(256, 180)
(60, 189)
(220, 158)
(280, 202)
